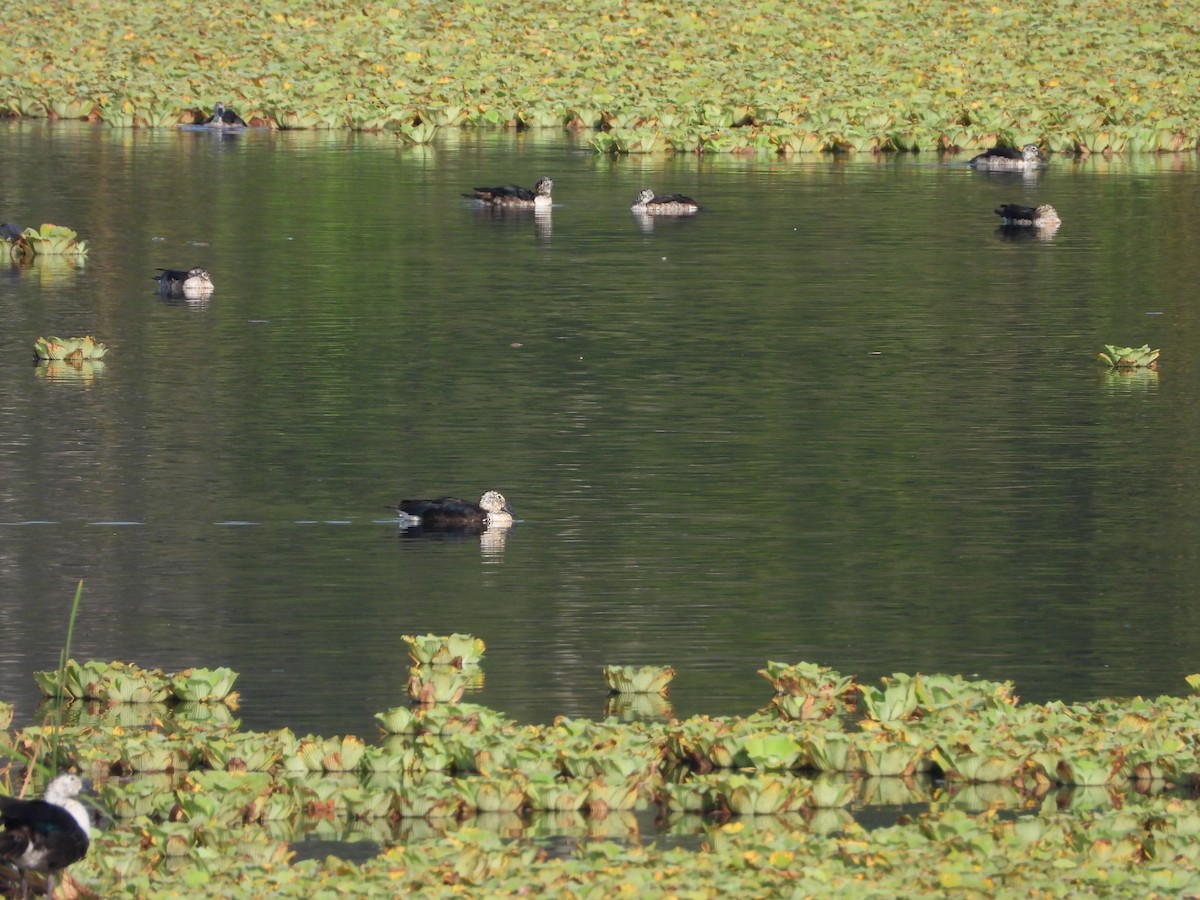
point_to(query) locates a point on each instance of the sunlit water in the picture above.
(836, 417)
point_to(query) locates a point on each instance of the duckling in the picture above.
(45, 835)
(452, 514)
(514, 196)
(194, 284)
(1044, 216)
(664, 204)
(224, 118)
(1008, 159)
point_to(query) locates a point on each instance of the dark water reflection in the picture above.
(837, 417)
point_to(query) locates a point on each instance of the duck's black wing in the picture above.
(672, 198)
(225, 116)
(11, 232)
(41, 829)
(441, 505)
(510, 191)
(1004, 152)
(445, 514)
(170, 282)
(1012, 211)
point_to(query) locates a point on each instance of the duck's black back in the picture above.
(1005, 152)
(445, 512)
(45, 826)
(1014, 211)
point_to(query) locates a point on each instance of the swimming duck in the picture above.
(512, 195)
(224, 118)
(452, 514)
(1044, 216)
(664, 204)
(45, 835)
(194, 284)
(1008, 159)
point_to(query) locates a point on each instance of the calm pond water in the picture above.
(836, 417)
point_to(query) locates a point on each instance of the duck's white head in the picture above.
(645, 195)
(1047, 215)
(1030, 153)
(497, 508)
(62, 791)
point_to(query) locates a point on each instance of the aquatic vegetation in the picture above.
(115, 682)
(547, 792)
(638, 679)
(744, 795)
(437, 684)
(691, 80)
(207, 809)
(49, 240)
(68, 370)
(205, 685)
(897, 699)
(629, 707)
(457, 650)
(809, 691)
(76, 349)
(337, 754)
(1129, 357)
(974, 757)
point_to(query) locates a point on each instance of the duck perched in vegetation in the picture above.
(664, 204)
(1008, 159)
(1044, 216)
(512, 195)
(224, 118)
(45, 835)
(11, 232)
(452, 514)
(194, 284)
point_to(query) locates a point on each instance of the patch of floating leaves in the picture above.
(757, 78)
(204, 808)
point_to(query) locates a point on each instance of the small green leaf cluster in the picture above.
(49, 240)
(1129, 357)
(639, 679)
(75, 349)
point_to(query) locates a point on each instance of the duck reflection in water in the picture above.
(517, 215)
(1028, 221)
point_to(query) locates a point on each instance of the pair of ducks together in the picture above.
(513, 196)
(1010, 159)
